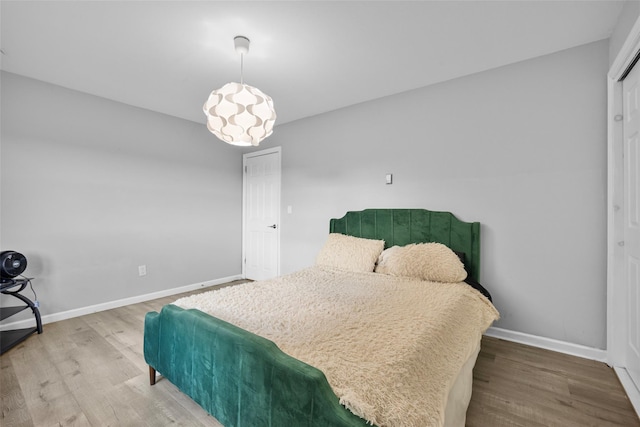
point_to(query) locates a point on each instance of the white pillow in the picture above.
(434, 262)
(350, 253)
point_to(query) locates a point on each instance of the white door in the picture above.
(631, 99)
(261, 245)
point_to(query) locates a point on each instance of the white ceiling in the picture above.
(310, 57)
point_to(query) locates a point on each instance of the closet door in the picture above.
(631, 99)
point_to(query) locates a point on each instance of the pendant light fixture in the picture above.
(237, 113)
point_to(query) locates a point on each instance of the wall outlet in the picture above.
(142, 270)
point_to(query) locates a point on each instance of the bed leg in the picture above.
(152, 376)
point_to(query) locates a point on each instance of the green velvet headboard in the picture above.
(404, 226)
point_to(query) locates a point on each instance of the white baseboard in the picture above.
(63, 315)
(549, 344)
(629, 387)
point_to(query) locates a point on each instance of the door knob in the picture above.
(271, 226)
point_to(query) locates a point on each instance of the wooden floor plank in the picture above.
(14, 408)
(541, 387)
(119, 331)
(90, 371)
(169, 405)
(46, 395)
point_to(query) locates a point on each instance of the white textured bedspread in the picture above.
(390, 347)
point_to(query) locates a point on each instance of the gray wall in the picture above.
(627, 19)
(521, 148)
(92, 188)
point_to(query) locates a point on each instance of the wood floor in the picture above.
(89, 371)
(518, 385)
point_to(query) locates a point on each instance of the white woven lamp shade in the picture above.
(237, 113)
(240, 114)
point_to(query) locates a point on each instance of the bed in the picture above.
(225, 357)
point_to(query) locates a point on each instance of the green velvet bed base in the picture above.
(245, 380)
(238, 377)
(404, 226)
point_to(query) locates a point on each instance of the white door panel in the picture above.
(631, 97)
(262, 215)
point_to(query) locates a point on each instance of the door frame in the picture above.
(616, 286)
(246, 156)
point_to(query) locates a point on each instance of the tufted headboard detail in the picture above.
(404, 226)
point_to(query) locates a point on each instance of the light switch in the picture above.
(289, 209)
(389, 178)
